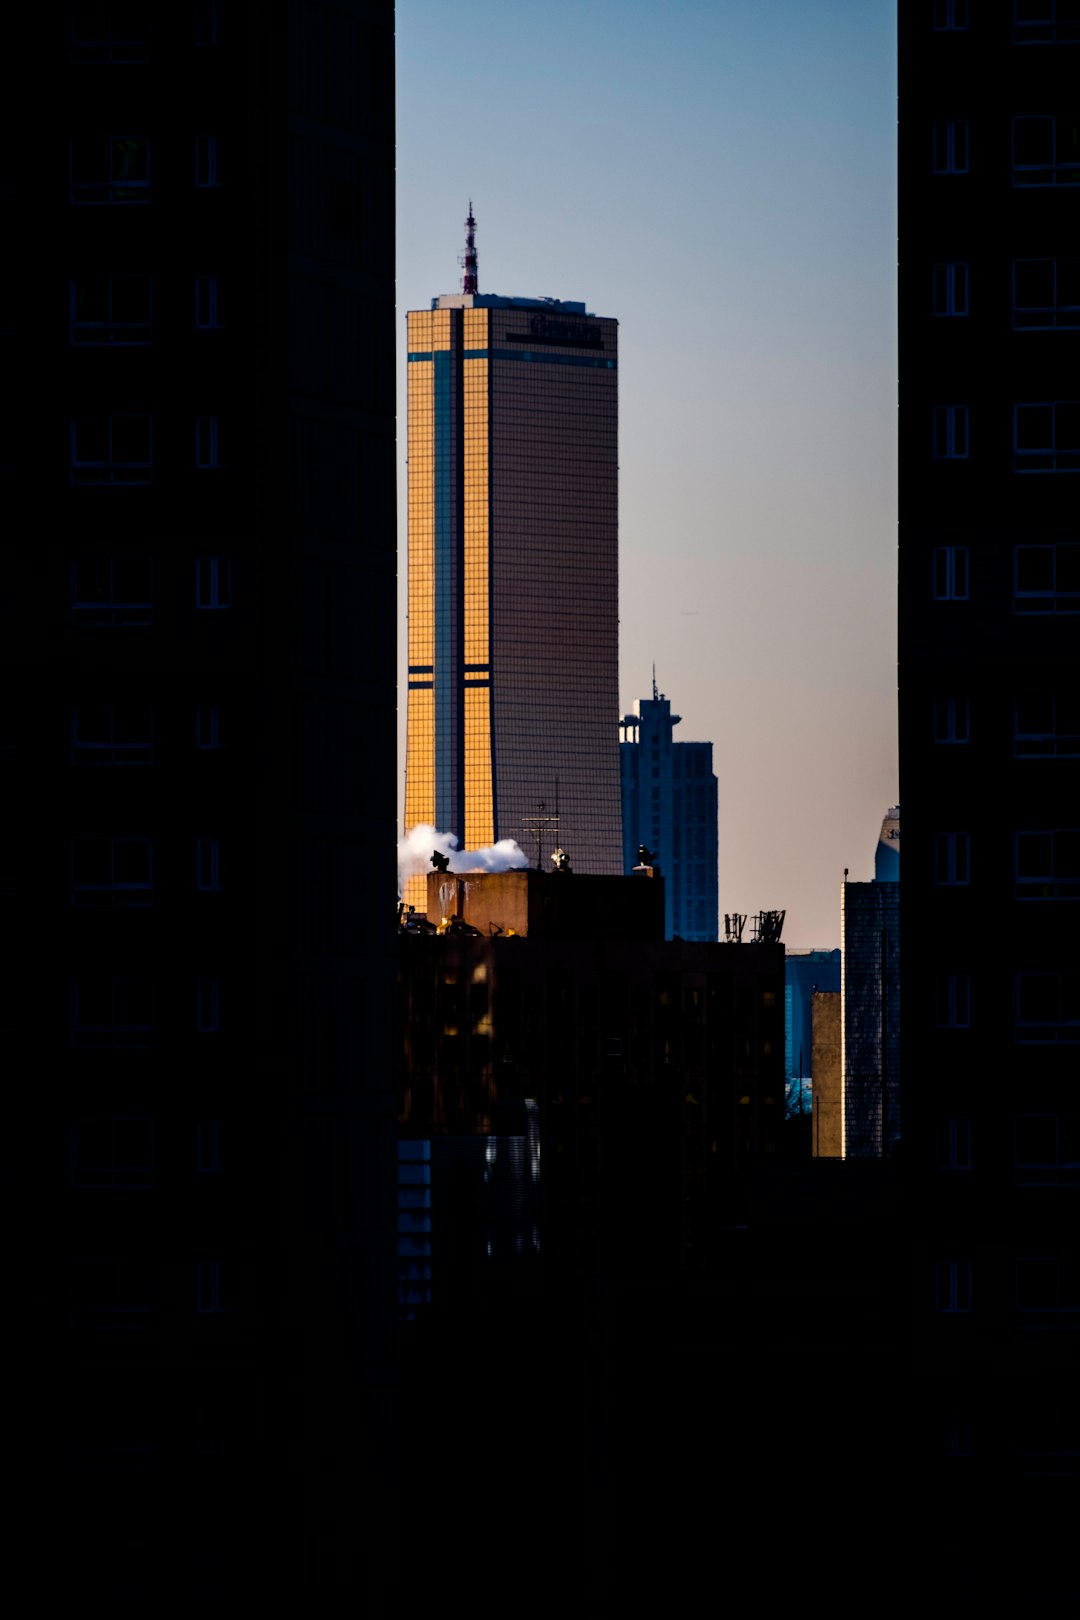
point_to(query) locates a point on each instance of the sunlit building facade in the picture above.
(513, 574)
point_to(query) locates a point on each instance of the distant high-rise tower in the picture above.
(513, 571)
(870, 1002)
(669, 804)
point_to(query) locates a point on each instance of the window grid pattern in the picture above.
(115, 450)
(1046, 727)
(1047, 579)
(110, 311)
(1048, 864)
(1046, 437)
(107, 170)
(112, 872)
(1046, 294)
(1046, 151)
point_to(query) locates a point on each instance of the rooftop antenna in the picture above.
(468, 280)
(655, 694)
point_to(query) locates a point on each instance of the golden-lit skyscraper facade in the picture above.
(513, 573)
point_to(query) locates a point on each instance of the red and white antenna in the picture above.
(468, 280)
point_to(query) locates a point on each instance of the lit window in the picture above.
(952, 859)
(1045, 150)
(1047, 579)
(112, 591)
(114, 450)
(950, 289)
(950, 432)
(952, 720)
(108, 310)
(950, 573)
(109, 169)
(112, 872)
(109, 31)
(1046, 437)
(950, 146)
(213, 583)
(1046, 294)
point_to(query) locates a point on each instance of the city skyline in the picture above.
(724, 183)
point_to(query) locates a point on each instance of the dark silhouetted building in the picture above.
(201, 746)
(669, 804)
(990, 778)
(513, 574)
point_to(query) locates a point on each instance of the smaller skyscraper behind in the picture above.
(669, 804)
(870, 1003)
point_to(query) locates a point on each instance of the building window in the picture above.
(208, 864)
(112, 1013)
(109, 169)
(207, 303)
(950, 574)
(208, 1006)
(954, 1143)
(1044, 22)
(1048, 864)
(206, 22)
(112, 591)
(1046, 151)
(109, 31)
(1048, 1009)
(950, 289)
(1046, 1151)
(952, 720)
(1046, 294)
(112, 872)
(110, 311)
(1048, 1293)
(213, 1288)
(952, 859)
(949, 16)
(1046, 438)
(208, 733)
(208, 442)
(950, 146)
(213, 583)
(952, 1001)
(116, 1154)
(114, 450)
(112, 734)
(208, 1147)
(207, 161)
(1046, 728)
(1047, 579)
(950, 433)
(952, 1287)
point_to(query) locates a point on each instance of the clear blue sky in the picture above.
(720, 177)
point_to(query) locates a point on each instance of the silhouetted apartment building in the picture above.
(669, 804)
(990, 772)
(200, 723)
(513, 572)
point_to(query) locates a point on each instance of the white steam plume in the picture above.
(415, 851)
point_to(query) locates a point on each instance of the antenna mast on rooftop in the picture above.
(468, 280)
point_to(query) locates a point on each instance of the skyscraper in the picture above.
(669, 804)
(513, 571)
